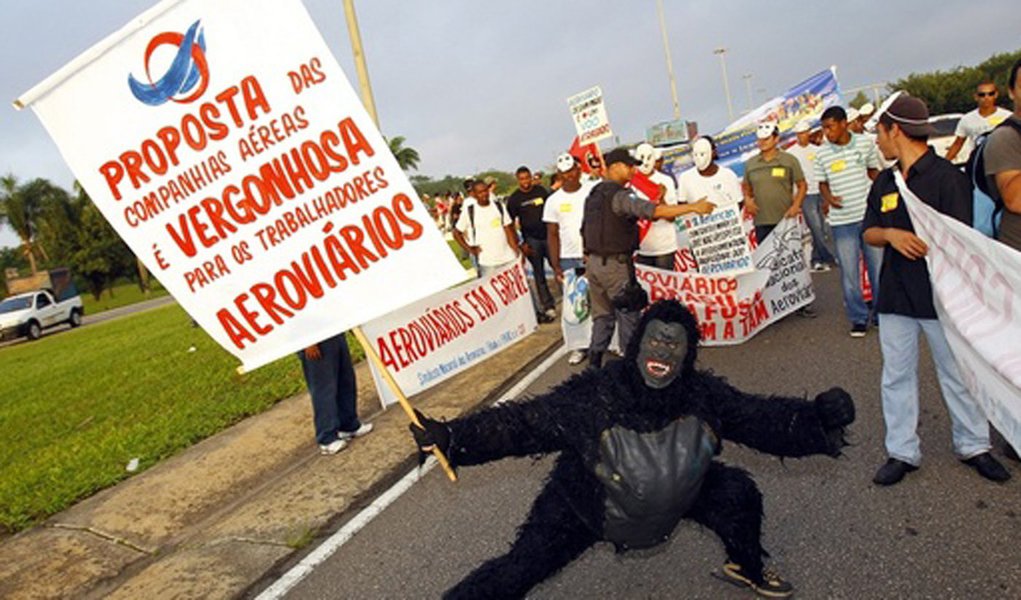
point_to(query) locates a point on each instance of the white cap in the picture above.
(565, 162)
(802, 126)
(766, 130)
(867, 109)
(852, 114)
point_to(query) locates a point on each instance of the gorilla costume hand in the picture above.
(432, 434)
(836, 410)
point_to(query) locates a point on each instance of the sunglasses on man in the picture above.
(984, 94)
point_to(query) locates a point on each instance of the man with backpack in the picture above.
(1001, 156)
(486, 231)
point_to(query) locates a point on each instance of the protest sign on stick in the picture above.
(718, 241)
(589, 114)
(246, 176)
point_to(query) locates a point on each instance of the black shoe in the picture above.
(988, 467)
(595, 361)
(807, 312)
(544, 318)
(893, 471)
(858, 330)
(771, 585)
(1011, 453)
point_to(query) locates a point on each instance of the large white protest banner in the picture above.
(589, 114)
(975, 284)
(731, 309)
(438, 337)
(224, 143)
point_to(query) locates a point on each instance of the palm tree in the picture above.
(407, 158)
(22, 207)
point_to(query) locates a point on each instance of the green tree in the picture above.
(407, 157)
(953, 91)
(859, 100)
(22, 207)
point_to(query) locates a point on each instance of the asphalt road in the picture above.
(941, 533)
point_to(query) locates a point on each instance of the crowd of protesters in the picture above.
(838, 178)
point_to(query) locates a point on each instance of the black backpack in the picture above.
(987, 203)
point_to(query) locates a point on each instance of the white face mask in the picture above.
(702, 154)
(647, 154)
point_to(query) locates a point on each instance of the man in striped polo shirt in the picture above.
(845, 166)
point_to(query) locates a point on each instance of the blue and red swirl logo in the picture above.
(188, 76)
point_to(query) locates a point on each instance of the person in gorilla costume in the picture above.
(636, 442)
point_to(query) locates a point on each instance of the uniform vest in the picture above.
(603, 231)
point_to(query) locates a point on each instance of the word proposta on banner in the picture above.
(195, 130)
(346, 251)
(408, 343)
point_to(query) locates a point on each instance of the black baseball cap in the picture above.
(910, 113)
(620, 155)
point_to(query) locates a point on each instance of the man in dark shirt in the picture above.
(905, 295)
(525, 206)
(1002, 157)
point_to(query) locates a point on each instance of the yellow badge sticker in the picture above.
(496, 224)
(811, 157)
(889, 202)
(537, 202)
(566, 207)
(779, 172)
(838, 166)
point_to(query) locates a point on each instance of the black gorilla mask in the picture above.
(661, 352)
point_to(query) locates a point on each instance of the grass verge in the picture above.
(120, 295)
(76, 407)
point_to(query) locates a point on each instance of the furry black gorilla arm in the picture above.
(780, 425)
(525, 428)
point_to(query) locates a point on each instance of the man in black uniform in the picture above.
(610, 236)
(905, 294)
(525, 206)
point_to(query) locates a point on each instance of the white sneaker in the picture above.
(820, 268)
(333, 447)
(357, 433)
(576, 357)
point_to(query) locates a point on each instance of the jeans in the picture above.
(541, 298)
(812, 209)
(487, 270)
(566, 264)
(331, 383)
(898, 338)
(850, 247)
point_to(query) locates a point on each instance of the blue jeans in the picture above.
(812, 209)
(566, 264)
(898, 338)
(849, 249)
(331, 383)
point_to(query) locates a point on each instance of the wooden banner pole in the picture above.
(370, 353)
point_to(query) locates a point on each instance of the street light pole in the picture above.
(359, 56)
(726, 85)
(669, 63)
(748, 86)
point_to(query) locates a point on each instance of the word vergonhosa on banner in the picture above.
(248, 177)
(440, 336)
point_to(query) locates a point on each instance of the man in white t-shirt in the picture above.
(486, 231)
(811, 207)
(563, 214)
(708, 180)
(978, 121)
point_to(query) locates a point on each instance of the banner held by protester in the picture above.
(718, 241)
(435, 338)
(589, 114)
(246, 176)
(975, 283)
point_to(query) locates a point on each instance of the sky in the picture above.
(476, 85)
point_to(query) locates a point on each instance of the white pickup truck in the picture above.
(27, 314)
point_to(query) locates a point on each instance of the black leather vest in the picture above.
(651, 479)
(604, 232)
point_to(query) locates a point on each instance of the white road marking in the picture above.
(292, 577)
